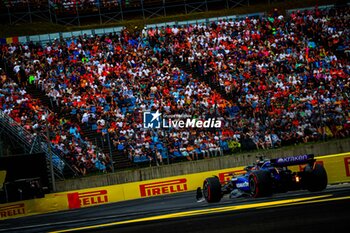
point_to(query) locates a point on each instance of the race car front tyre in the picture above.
(316, 178)
(212, 190)
(260, 183)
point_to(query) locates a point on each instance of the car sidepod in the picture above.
(242, 183)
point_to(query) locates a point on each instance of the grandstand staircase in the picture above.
(36, 93)
(34, 144)
(189, 70)
(120, 160)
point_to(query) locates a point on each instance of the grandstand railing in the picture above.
(48, 38)
(104, 12)
(33, 143)
(205, 21)
(324, 7)
(78, 12)
(21, 11)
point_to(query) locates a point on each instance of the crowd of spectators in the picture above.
(37, 119)
(285, 83)
(107, 82)
(72, 6)
(23, 4)
(65, 6)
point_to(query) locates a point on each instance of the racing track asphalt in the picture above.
(298, 211)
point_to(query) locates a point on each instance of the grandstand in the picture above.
(272, 81)
(77, 12)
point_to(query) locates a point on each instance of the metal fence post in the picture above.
(78, 17)
(49, 7)
(164, 7)
(51, 163)
(9, 13)
(29, 12)
(143, 10)
(110, 147)
(99, 12)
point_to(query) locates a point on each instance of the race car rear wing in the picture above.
(293, 160)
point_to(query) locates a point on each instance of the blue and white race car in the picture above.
(267, 177)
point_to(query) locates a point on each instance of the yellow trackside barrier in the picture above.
(337, 167)
(2, 178)
(174, 184)
(51, 203)
(109, 194)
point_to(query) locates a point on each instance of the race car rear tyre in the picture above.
(212, 190)
(260, 183)
(316, 179)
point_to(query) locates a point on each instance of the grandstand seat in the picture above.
(100, 166)
(136, 159)
(93, 109)
(177, 154)
(141, 159)
(224, 145)
(160, 146)
(94, 127)
(120, 146)
(74, 111)
(155, 139)
(164, 155)
(104, 131)
(144, 158)
(106, 108)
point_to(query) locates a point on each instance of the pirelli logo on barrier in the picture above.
(78, 200)
(347, 165)
(226, 176)
(12, 210)
(164, 187)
